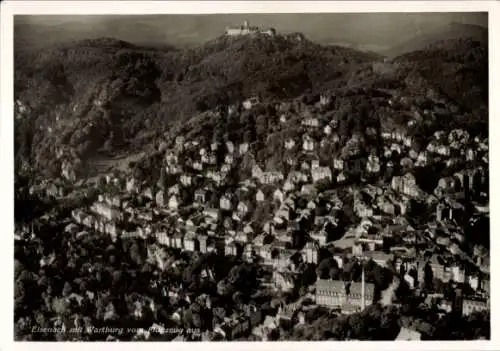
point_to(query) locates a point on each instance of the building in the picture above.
(470, 306)
(246, 29)
(406, 334)
(310, 252)
(336, 293)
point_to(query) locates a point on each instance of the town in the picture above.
(348, 221)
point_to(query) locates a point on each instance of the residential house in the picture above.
(321, 173)
(311, 122)
(341, 178)
(373, 164)
(229, 159)
(338, 164)
(406, 185)
(226, 202)
(243, 149)
(470, 306)
(259, 197)
(406, 334)
(178, 241)
(230, 147)
(198, 166)
(310, 252)
(242, 209)
(379, 257)
(271, 177)
(132, 186)
(278, 196)
(283, 281)
(186, 180)
(105, 210)
(212, 214)
(231, 249)
(289, 144)
(308, 143)
(200, 196)
(190, 242)
(249, 103)
(257, 172)
(173, 203)
(327, 130)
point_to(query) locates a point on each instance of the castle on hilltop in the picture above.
(246, 29)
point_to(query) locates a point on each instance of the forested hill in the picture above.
(109, 95)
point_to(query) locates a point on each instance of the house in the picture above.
(278, 196)
(443, 150)
(310, 252)
(132, 186)
(225, 202)
(212, 214)
(200, 196)
(321, 173)
(178, 241)
(230, 147)
(373, 164)
(336, 293)
(257, 172)
(203, 243)
(259, 197)
(288, 186)
(190, 242)
(163, 238)
(243, 149)
(105, 210)
(229, 159)
(173, 203)
(406, 334)
(379, 257)
(198, 166)
(308, 143)
(186, 180)
(231, 249)
(470, 306)
(406, 185)
(283, 281)
(249, 103)
(341, 178)
(289, 144)
(338, 164)
(310, 122)
(271, 177)
(242, 208)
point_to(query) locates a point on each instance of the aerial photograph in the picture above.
(251, 177)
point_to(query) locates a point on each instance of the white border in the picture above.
(9, 8)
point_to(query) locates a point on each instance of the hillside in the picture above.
(143, 89)
(452, 31)
(101, 97)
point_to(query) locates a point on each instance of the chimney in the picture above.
(362, 287)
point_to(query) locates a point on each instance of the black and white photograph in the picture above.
(251, 176)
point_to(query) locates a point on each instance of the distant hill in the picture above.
(452, 31)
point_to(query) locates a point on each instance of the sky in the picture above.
(370, 30)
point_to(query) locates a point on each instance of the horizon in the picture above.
(371, 31)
